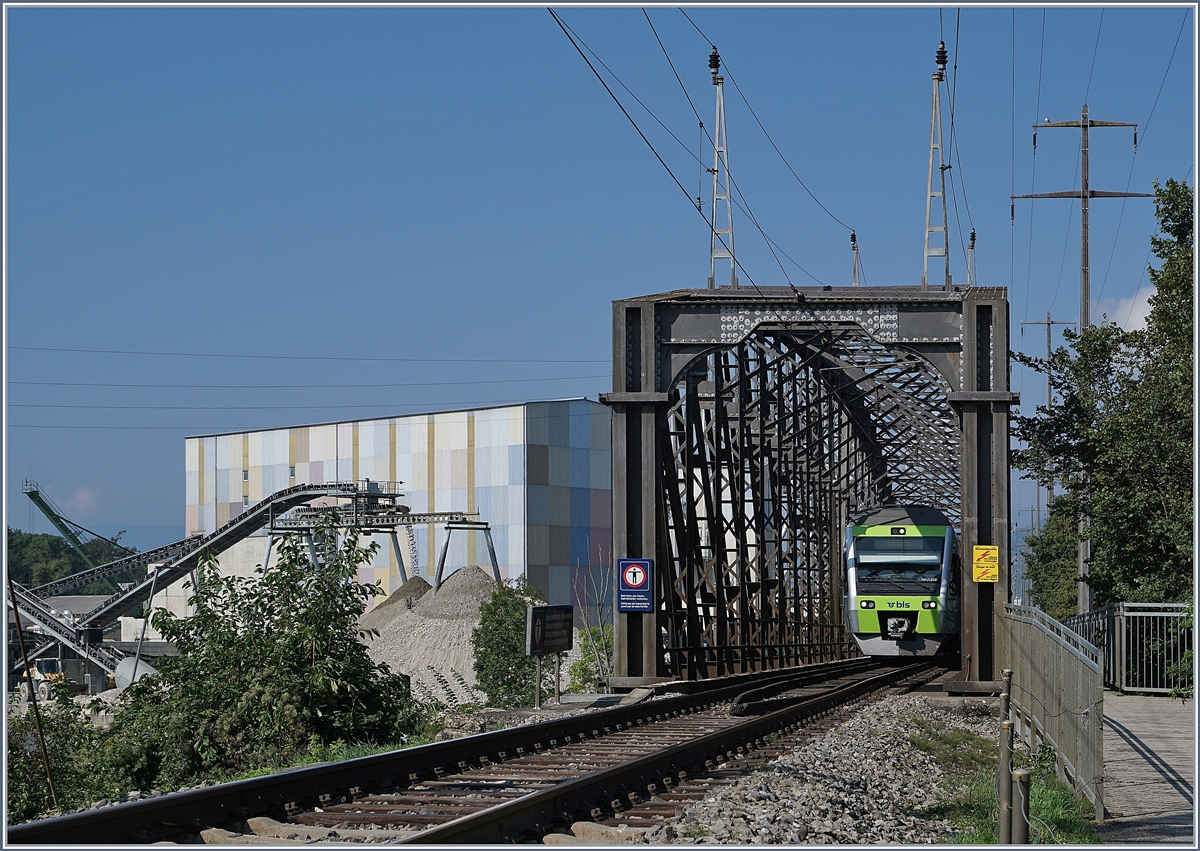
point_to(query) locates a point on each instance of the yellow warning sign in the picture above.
(985, 564)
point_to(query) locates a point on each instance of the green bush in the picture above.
(264, 666)
(1180, 673)
(584, 672)
(503, 671)
(70, 742)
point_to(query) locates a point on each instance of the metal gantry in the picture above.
(748, 425)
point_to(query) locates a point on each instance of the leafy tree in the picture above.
(1051, 559)
(1120, 440)
(264, 666)
(503, 671)
(37, 558)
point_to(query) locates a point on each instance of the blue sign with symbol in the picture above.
(635, 585)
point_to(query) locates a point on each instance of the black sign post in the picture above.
(548, 629)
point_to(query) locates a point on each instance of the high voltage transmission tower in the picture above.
(1085, 194)
(720, 248)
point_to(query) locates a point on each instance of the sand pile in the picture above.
(435, 633)
(405, 596)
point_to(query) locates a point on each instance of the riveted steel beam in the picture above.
(749, 424)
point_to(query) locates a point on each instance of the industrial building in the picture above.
(538, 472)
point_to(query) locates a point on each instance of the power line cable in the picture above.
(1095, 50)
(1037, 110)
(211, 407)
(289, 357)
(1066, 238)
(1137, 289)
(1145, 266)
(1133, 159)
(1012, 161)
(1075, 182)
(429, 407)
(300, 386)
(1146, 126)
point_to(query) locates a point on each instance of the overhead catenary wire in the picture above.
(954, 149)
(678, 79)
(737, 263)
(575, 36)
(649, 144)
(695, 112)
(768, 135)
(744, 206)
(955, 153)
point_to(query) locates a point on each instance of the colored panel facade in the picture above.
(538, 472)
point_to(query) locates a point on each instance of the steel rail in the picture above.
(169, 815)
(645, 775)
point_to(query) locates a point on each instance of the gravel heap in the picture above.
(860, 783)
(434, 633)
(406, 596)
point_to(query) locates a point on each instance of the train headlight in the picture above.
(866, 604)
(929, 604)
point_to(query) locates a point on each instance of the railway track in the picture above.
(631, 765)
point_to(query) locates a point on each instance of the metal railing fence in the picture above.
(1142, 644)
(1058, 696)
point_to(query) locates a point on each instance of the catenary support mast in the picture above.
(937, 178)
(721, 233)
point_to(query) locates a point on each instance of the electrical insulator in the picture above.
(1135, 140)
(941, 56)
(1035, 140)
(714, 61)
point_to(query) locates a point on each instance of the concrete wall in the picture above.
(538, 472)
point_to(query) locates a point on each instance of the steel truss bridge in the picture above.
(749, 424)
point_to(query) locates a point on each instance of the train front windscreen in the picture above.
(898, 564)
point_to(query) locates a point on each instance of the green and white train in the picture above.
(902, 582)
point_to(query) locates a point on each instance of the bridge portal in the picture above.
(748, 424)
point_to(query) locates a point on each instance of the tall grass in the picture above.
(1057, 815)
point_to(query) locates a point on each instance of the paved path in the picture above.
(1149, 769)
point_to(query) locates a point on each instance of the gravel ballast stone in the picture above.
(860, 783)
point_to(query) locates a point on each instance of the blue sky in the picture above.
(452, 189)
